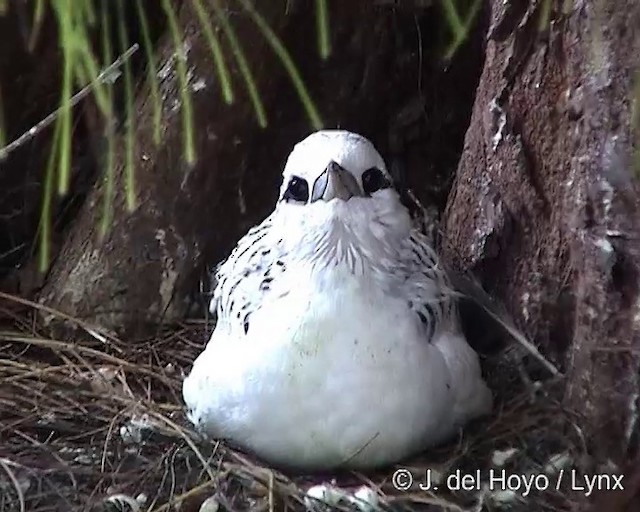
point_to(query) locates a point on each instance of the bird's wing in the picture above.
(437, 301)
(426, 285)
(244, 279)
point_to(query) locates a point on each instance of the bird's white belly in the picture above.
(340, 375)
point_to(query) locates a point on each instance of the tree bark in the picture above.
(545, 205)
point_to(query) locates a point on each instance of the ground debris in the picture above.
(93, 425)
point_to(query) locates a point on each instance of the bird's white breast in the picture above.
(331, 372)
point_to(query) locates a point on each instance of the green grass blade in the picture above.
(459, 29)
(453, 19)
(38, 16)
(243, 65)
(38, 11)
(64, 165)
(287, 62)
(87, 59)
(545, 14)
(185, 96)
(107, 49)
(109, 178)
(44, 228)
(87, 11)
(216, 50)
(152, 79)
(64, 119)
(129, 138)
(322, 27)
(81, 74)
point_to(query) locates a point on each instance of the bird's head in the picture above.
(333, 164)
(336, 183)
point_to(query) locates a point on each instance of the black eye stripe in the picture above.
(297, 190)
(373, 180)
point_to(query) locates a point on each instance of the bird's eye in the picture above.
(297, 190)
(373, 180)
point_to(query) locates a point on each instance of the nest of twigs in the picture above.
(92, 422)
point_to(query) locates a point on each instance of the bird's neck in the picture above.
(338, 247)
(358, 235)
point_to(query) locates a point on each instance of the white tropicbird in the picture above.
(337, 342)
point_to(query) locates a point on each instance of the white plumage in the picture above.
(337, 343)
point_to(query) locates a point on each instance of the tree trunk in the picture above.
(137, 275)
(545, 205)
(374, 83)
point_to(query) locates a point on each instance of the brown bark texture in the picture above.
(545, 205)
